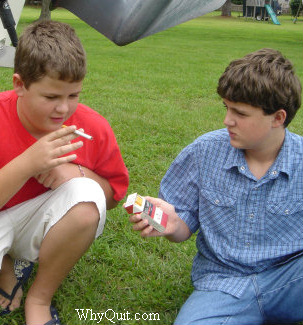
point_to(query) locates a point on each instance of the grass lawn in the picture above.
(159, 94)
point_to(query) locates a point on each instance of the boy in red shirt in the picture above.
(55, 189)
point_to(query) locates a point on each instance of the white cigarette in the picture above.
(82, 134)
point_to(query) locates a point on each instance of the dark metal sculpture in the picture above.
(122, 21)
(126, 21)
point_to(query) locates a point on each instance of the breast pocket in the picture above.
(284, 221)
(218, 211)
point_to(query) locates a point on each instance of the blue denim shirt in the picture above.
(244, 225)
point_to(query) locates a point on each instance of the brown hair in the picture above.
(263, 79)
(49, 48)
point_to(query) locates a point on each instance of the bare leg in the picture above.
(7, 282)
(62, 247)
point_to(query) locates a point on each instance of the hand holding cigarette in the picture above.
(47, 152)
(80, 133)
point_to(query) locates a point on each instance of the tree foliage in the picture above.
(294, 7)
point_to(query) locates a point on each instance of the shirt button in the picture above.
(242, 168)
(274, 173)
(287, 211)
(247, 244)
(251, 216)
(217, 201)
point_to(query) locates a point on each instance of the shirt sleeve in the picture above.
(179, 187)
(101, 155)
(111, 165)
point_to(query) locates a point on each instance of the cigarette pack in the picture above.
(135, 204)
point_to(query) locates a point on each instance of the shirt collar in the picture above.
(282, 163)
(235, 158)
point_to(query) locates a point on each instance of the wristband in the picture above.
(81, 171)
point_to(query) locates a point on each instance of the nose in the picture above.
(229, 120)
(62, 106)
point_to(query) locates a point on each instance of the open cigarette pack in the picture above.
(135, 204)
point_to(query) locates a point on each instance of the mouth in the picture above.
(231, 134)
(58, 119)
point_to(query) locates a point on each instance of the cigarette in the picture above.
(82, 134)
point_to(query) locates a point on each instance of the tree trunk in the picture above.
(226, 9)
(45, 12)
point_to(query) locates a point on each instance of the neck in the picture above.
(260, 160)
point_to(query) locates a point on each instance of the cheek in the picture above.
(72, 108)
(42, 109)
(259, 132)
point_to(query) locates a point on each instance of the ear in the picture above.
(18, 84)
(279, 118)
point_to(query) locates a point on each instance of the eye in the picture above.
(74, 96)
(241, 114)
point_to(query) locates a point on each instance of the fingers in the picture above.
(44, 179)
(52, 150)
(62, 150)
(154, 200)
(67, 132)
(41, 177)
(139, 224)
(60, 144)
(63, 137)
(135, 218)
(142, 226)
(64, 160)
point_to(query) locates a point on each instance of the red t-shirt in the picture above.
(101, 155)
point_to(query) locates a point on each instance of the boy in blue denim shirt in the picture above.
(241, 189)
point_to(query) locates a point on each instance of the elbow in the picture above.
(111, 204)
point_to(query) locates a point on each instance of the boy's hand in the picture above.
(176, 230)
(58, 175)
(47, 152)
(43, 155)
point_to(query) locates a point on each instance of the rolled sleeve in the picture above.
(179, 187)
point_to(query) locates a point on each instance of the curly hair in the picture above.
(264, 79)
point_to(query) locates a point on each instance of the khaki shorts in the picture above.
(23, 227)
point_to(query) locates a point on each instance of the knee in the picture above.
(85, 215)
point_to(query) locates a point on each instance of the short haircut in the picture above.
(264, 79)
(49, 48)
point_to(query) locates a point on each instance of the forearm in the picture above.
(44, 155)
(12, 177)
(182, 232)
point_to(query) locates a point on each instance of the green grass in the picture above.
(159, 94)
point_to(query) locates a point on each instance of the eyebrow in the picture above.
(56, 95)
(236, 109)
